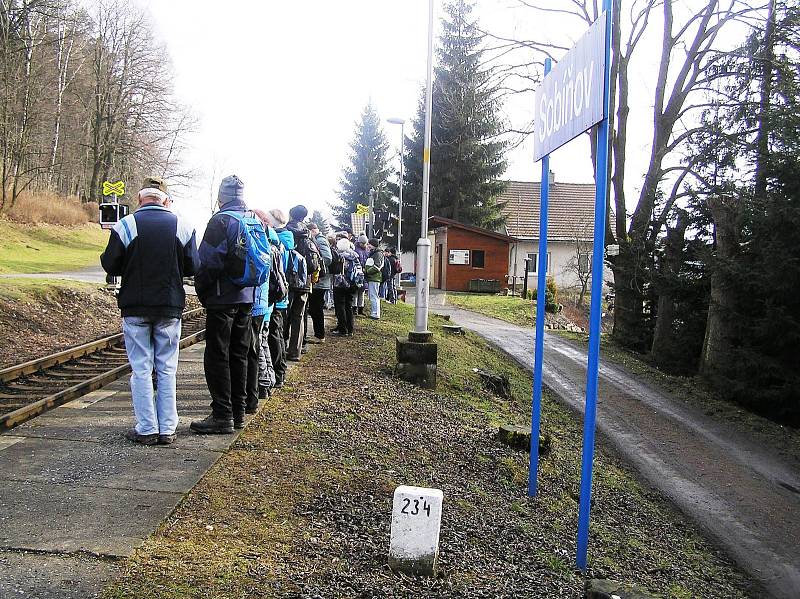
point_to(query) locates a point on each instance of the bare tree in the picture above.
(683, 71)
(579, 263)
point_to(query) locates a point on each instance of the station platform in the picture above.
(76, 496)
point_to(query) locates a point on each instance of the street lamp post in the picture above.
(401, 122)
(417, 356)
(424, 244)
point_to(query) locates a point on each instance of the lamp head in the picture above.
(395, 121)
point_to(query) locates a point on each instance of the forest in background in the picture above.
(85, 95)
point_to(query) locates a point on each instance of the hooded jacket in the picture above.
(372, 273)
(152, 249)
(286, 238)
(263, 305)
(214, 287)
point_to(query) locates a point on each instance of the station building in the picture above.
(468, 258)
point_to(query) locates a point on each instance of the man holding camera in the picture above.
(152, 249)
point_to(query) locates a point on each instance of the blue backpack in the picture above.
(248, 263)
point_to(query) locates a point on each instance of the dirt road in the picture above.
(743, 496)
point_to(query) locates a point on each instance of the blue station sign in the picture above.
(570, 98)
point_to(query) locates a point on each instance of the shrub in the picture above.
(529, 294)
(551, 296)
(47, 207)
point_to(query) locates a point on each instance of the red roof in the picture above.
(448, 222)
(571, 209)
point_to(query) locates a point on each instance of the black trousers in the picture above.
(316, 309)
(297, 322)
(256, 322)
(343, 304)
(277, 344)
(225, 358)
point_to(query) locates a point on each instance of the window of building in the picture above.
(478, 257)
(534, 264)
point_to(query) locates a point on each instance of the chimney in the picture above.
(551, 178)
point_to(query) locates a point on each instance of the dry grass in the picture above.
(51, 208)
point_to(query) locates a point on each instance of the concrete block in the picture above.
(53, 576)
(422, 375)
(67, 518)
(416, 353)
(416, 523)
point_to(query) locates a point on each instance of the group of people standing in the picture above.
(251, 331)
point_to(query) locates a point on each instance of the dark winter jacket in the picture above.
(214, 287)
(152, 249)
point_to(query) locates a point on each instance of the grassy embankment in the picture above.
(692, 390)
(300, 505)
(509, 308)
(32, 248)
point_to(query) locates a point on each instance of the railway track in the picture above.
(32, 388)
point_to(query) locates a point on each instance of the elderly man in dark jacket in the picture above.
(228, 316)
(153, 250)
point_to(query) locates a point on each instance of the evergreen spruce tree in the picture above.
(368, 169)
(467, 156)
(321, 222)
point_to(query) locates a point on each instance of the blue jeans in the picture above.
(374, 301)
(153, 342)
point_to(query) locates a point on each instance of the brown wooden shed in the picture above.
(465, 257)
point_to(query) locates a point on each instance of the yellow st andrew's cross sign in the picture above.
(116, 189)
(362, 210)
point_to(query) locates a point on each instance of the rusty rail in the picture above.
(40, 406)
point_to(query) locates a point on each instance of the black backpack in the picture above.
(278, 286)
(309, 250)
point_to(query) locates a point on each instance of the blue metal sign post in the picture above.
(536, 411)
(569, 101)
(590, 413)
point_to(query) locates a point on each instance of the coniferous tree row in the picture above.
(467, 154)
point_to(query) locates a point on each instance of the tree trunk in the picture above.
(629, 329)
(664, 342)
(719, 327)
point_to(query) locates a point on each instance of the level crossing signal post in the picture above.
(572, 99)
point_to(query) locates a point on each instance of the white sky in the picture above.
(278, 87)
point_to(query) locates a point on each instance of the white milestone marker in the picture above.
(416, 520)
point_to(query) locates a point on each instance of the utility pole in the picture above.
(370, 226)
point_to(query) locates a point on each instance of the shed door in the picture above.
(439, 266)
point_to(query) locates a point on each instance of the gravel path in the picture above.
(740, 493)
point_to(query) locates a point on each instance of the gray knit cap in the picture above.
(231, 189)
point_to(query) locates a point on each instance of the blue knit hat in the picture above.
(231, 189)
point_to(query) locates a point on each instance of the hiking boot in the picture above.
(132, 435)
(263, 392)
(361, 310)
(238, 421)
(167, 439)
(251, 409)
(317, 340)
(211, 425)
(293, 358)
